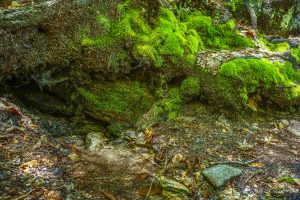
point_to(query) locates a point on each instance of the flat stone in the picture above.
(218, 175)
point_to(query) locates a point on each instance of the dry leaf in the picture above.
(29, 164)
(108, 195)
(297, 181)
(151, 190)
(149, 135)
(54, 195)
(142, 176)
(257, 164)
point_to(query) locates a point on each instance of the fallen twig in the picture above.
(150, 188)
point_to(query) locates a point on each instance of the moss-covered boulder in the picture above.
(251, 82)
(119, 101)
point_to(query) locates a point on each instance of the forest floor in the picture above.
(36, 164)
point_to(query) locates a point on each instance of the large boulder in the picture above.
(251, 78)
(45, 37)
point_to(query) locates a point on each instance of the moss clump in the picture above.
(171, 38)
(278, 47)
(296, 54)
(105, 22)
(168, 38)
(222, 36)
(119, 101)
(239, 79)
(190, 87)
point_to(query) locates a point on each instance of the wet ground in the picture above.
(42, 158)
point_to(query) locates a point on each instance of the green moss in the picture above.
(171, 105)
(278, 47)
(245, 77)
(132, 25)
(296, 54)
(87, 42)
(190, 87)
(167, 107)
(170, 38)
(223, 36)
(121, 7)
(148, 53)
(104, 21)
(117, 60)
(120, 99)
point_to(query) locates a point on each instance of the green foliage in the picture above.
(296, 54)
(278, 47)
(249, 76)
(190, 87)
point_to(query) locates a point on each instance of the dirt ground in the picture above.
(37, 164)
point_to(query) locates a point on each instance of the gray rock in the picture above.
(42, 35)
(95, 141)
(220, 174)
(295, 127)
(212, 60)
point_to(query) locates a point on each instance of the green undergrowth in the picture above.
(246, 77)
(278, 47)
(170, 39)
(296, 54)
